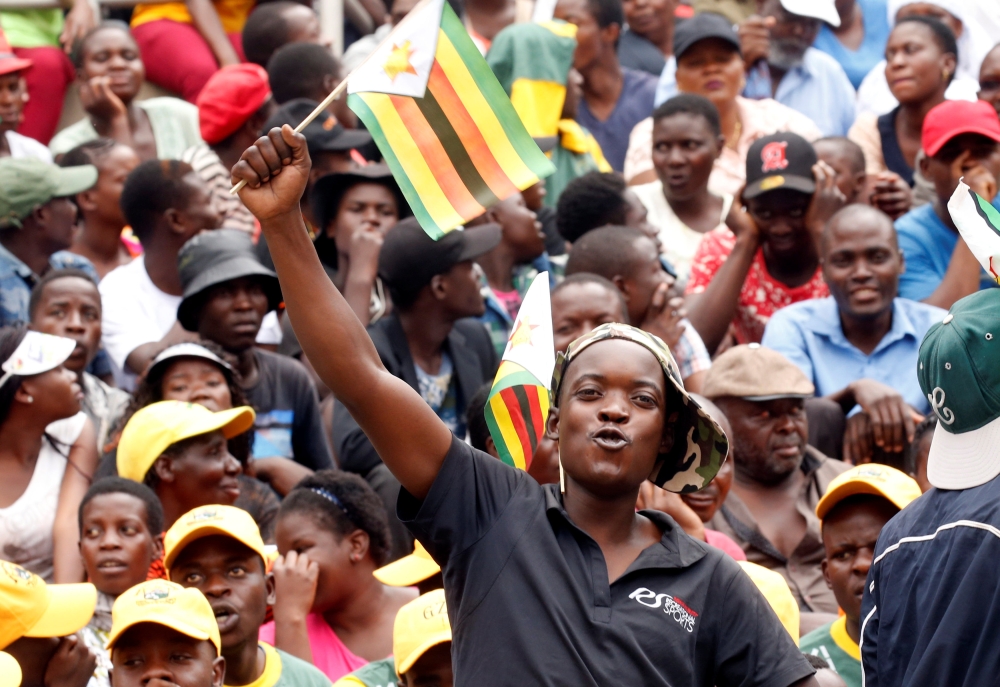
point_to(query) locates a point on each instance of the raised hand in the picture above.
(276, 171)
(755, 39)
(72, 665)
(891, 194)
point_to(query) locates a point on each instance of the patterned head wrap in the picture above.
(700, 445)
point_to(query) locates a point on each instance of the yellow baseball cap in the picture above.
(10, 671)
(775, 589)
(420, 625)
(871, 478)
(205, 521)
(152, 429)
(185, 610)
(408, 570)
(31, 608)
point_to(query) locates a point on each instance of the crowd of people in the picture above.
(246, 434)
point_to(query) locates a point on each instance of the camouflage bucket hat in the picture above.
(700, 445)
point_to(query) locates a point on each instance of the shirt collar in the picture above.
(827, 323)
(676, 550)
(10, 261)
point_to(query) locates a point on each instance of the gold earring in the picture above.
(945, 73)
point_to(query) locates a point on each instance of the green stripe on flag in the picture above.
(520, 378)
(361, 109)
(987, 212)
(495, 95)
(501, 447)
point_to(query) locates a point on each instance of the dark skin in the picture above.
(115, 542)
(707, 501)
(916, 69)
(595, 57)
(522, 241)
(607, 459)
(71, 307)
(233, 578)
(203, 474)
(579, 308)
(53, 662)
(323, 572)
(976, 159)
(989, 79)
(789, 36)
(684, 150)
(861, 265)
(231, 316)
(786, 224)
(149, 653)
(653, 20)
(489, 17)
(47, 230)
(768, 446)
(849, 536)
(13, 95)
(432, 669)
(99, 240)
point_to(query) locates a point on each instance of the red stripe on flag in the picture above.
(509, 397)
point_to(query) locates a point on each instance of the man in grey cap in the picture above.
(37, 219)
(779, 478)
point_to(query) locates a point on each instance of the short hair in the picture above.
(89, 152)
(943, 35)
(120, 485)
(607, 12)
(591, 278)
(817, 662)
(342, 502)
(851, 149)
(151, 189)
(76, 54)
(692, 104)
(608, 252)
(853, 214)
(297, 70)
(591, 201)
(38, 290)
(266, 30)
(927, 426)
(475, 417)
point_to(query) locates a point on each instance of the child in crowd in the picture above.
(180, 451)
(856, 506)
(164, 633)
(421, 642)
(13, 97)
(331, 610)
(37, 626)
(110, 73)
(100, 238)
(218, 551)
(121, 535)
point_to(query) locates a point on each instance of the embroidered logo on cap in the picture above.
(944, 413)
(773, 156)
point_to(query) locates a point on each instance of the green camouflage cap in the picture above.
(959, 374)
(27, 183)
(700, 445)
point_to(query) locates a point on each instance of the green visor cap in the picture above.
(959, 373)
(700, 446)
(26, 183)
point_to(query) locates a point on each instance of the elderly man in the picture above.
(770, 510)
(859, 346)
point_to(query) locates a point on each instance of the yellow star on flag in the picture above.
(522, 335)
(398, 61)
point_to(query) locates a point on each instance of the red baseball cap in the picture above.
(9, 62)
(954, 117)
(229, 99)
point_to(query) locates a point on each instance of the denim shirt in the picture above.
(17, 280)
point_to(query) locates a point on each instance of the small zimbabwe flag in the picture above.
(518, 404)
(979, 224)
(445, 126)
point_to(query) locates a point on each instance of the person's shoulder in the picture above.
(25, 146)
(168, 104)
(823, 64)
(68, 429)
(298, 673)
(819, 637)
(65, 260)
(824, 467)
(918, 222)
(921, 315)
(807, 314)
(118, 277)
(72, 136)
(285, 366)
(374, 674)
(639, 83)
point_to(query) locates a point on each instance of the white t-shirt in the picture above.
(22, 146)
(26, 525)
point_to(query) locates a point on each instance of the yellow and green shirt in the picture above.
(284, 670)
(833, 644)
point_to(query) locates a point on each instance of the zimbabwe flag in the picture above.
(445, 126)
(979, 224)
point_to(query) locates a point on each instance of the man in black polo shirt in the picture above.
(929, 615)
(544, 588)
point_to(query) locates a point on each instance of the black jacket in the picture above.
(472, 355)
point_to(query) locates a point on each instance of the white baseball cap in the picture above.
(824, 10)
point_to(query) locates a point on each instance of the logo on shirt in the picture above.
(671, 605)
(773, 156)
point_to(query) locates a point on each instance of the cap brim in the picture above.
(726, 37)
(774, 397)
(963, 461)
(206, 531)
(816, 9)
(777, 182)
(934, 148)
(430, 642)
(185, 350)
(73, 180)
(71, 606)
(348, 140)
(13, 64)
(852, 488)
(237, 267)
(172, 623)
(407, 571)
(479, 240)
(10, 671)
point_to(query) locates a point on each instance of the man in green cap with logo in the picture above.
(37, 219)
(929, 614)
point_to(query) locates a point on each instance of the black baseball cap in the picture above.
(215, 257)
(781, 160)
(702, 26)
(323, 134)
(410, 258)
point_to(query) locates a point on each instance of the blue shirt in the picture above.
(809, 334)
(927, 244)
(17, 280)
(634, 104)
(857, 63)
(818, 88)
(929, 615)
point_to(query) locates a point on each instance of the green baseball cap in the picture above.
(959, 374)
(26, 183)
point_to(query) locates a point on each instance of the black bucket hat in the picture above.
(215, 257)
(328, 190)
(323, 134)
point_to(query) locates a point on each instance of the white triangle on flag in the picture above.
(530, 344)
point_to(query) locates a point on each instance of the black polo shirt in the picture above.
(530, 603)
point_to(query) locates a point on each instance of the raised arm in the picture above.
(409, 437)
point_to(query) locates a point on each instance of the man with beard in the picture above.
(770, 510)
(781, 63)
